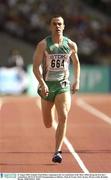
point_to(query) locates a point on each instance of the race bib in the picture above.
(58, 62)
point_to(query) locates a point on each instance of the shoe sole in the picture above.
(56, 159)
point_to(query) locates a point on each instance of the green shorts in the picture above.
(55, 87)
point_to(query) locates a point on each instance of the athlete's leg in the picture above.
(47, 112)
(63, 104)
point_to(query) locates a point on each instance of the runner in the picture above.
(53, 54)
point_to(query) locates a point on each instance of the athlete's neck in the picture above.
(57, 39)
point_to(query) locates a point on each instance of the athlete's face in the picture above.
(57, 25)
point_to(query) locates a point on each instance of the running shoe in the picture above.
(57, 158)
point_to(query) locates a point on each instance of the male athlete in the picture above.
(53, 54)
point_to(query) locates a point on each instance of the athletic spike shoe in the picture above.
(57, 158)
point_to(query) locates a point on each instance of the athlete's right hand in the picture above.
(44, 90)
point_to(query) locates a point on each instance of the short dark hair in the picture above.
(55, 16)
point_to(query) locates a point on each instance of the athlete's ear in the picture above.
(63, 26)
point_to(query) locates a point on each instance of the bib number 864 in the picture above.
(57, 63)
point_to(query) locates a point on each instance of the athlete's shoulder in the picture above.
(48, 37)
(72, 45)
(48, 40)
(42, 44)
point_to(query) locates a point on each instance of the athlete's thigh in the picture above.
(63, 104)
(47, 111)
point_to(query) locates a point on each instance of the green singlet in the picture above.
(55, 67)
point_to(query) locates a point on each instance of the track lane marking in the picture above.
(89, 108)
(68, 144)
(66, 141)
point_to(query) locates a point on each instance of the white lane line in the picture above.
(84, 105)
(72, 151)
(69, 145)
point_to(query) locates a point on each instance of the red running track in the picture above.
(27, 146)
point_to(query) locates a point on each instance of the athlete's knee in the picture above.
(63, 117)
(48, 123)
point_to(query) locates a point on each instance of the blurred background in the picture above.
(23, 23)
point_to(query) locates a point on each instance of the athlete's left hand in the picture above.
(75, 87)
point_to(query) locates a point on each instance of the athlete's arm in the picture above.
(76, 66)
(37, 60)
